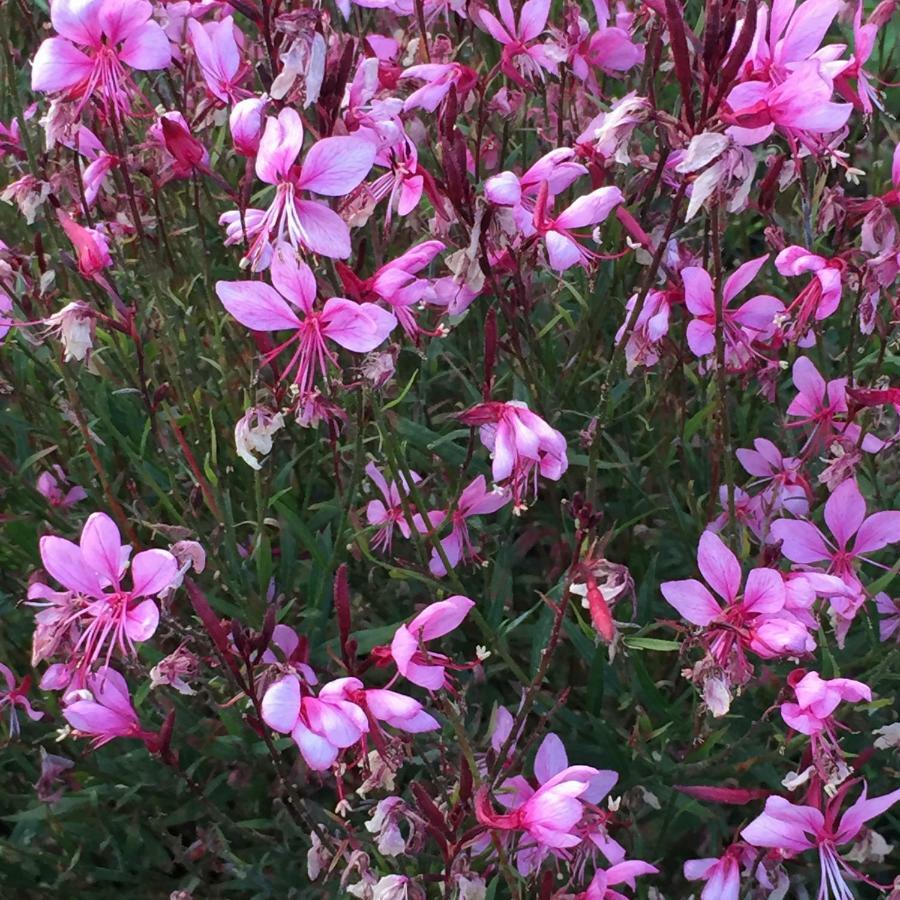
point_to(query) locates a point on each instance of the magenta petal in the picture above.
(147, 48)
(119, 19)
(719, 566)
(63, 561)
(142, 621)
(336, 165)
(590, 209)
(807, 379)
(441, 618)
(78, 20)
(322, 230)
(292, 278)
(879, 530)
(698, 291)
(764, 592)
(92, 718)
(58, 66)
(533, 19)
(692, 600)
(281, 704)
(101, 547)
(316, 750)
(359, 327)
(152, 571)
(801, 541)
(280, 146)
(550, 758)
(742, 277)
(256, 305)
(701, 337)
(845, 510)
(862, 811)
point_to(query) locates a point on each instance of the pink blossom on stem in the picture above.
(822, 296)
(753, 320)
(91, 247)
(96, 40)
(414, 661)
(219, 56)
(109, 614)
(387, 513)
(522, 445)
(289, 306)
(103, 710)
(331, 168)
(794, 829)
(52, 486)
(16, 694)
(438, 78)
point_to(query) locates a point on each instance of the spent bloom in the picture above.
(253, 434)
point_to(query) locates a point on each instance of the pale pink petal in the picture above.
(698, 291)
(152, 571)
(256, 305)
(359, 327)
(701, 337)
(764, 592)
(879, 530)
(280, 146)
(292, 278)
(441, 618)
(806, 29)
(719, 566)
(532, 19)
(316, 750)
(493, 27)
(862, 811)
(281, 704)
(142, 621)
(692, 600)
(101, 546)
(78, 20)
(503, 189)
(58, 66)
(147, 48)
(845, 511)
(785, 826)
(63, 561)
(562, 251)
(590, 209)
(742, 277)
(801, 541)
(550, 758)
(758, 313)
(336, 165)
(322, 230)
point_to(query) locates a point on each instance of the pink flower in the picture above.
(438, 78)
(320, 726)
(396, 283)
(387, 512)
(522, 58)
(550, 814)
(413, 660)
(103, 709)
(822, 296)
(218, 55)
(752, 320)
(799, 104)
(332, 167)
(475, 500)
(625, 872)
(845, 515)
(109, 613)
(111, 32)
(645, 341)
(817, 699)
(722, 876)
(786, 486)
(521, 444)
(91, 247)
(518, 193)
(16, 694)
(563, 250)
(795, 829)
(358, 327)
(50, 485)
(755, 620)
(820, 404)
